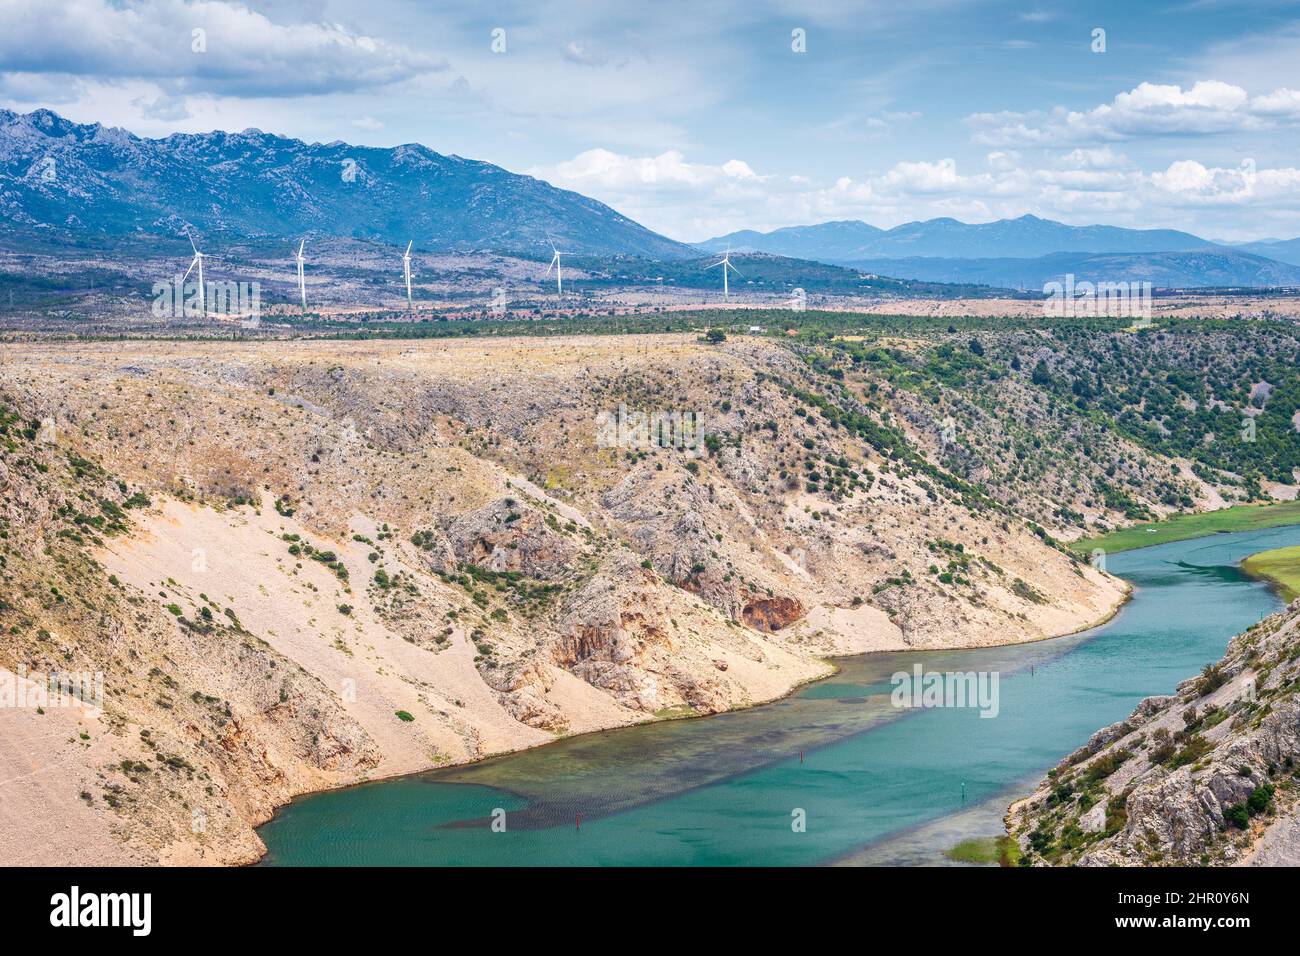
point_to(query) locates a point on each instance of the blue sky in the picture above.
(698, 117)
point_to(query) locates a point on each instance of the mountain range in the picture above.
(75, 185)
(89, 182)
(1026, 237)
(1212, 266)
(1283, 250)
(1026, 252)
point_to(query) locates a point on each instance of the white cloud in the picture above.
(1097, 158)
(694, 201)
(1281, 102)
(738, 169)
(1149, 109)
(602, 169)
(236, 51)
(924, 177)
(1191, 183)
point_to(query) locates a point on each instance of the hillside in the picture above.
(89, 184)
(300, 565)
(1086, 425)
(1207, 776)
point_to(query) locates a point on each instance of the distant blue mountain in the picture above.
(1216, 266)
(89, 183)
(1283, 250)
(1025, 238)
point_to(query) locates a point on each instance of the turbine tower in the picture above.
(406, 269)
(196, 261)
(725, 262)
(302, 283)
(555, 264)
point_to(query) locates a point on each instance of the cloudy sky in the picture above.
(697, 117)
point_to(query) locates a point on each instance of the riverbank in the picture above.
(561, 749)
(720, 791)
(1203, 777)
(1280, 567)
(1185, 527)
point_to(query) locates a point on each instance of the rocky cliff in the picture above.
(1207, 776)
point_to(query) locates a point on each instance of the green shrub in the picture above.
(1261, 799)
(1195, 748)
(1237, 816)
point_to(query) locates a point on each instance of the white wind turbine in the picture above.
(197, 261)
(406, 269)
(725, 262)
(555, 264)
(302, 282)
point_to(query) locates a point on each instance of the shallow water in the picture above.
(874, 783)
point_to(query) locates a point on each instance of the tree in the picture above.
(715, 336)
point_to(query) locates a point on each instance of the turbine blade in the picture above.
(193, 263)
(408, 247)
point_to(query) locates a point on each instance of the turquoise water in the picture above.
(725, 790)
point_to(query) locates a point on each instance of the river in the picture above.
(870, 783)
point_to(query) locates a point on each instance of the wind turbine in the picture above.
(302, 283)
(196, 261)
(406, 268)
(725, 262)
(555, 264)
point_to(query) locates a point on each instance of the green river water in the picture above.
(875, 784)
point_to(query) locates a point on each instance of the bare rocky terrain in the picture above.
(300, 565)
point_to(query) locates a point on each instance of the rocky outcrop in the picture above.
(1201, 777)
(509, 535)
(771, 614)
(522, 691)
(610, 628)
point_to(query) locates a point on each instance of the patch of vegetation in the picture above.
(1184, 527)
(986, 851)
(1281, 566)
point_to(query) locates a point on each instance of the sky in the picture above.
(699, 117)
